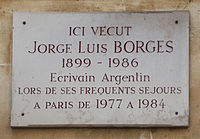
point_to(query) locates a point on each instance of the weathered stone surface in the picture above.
(7, 8)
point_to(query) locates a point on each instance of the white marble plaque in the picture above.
(100, 69)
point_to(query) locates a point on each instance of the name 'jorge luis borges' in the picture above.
(150, 46)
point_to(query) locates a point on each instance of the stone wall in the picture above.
(7, 7)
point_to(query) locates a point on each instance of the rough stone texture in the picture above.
(8, 6)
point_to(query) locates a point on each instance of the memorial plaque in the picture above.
(100, 69)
